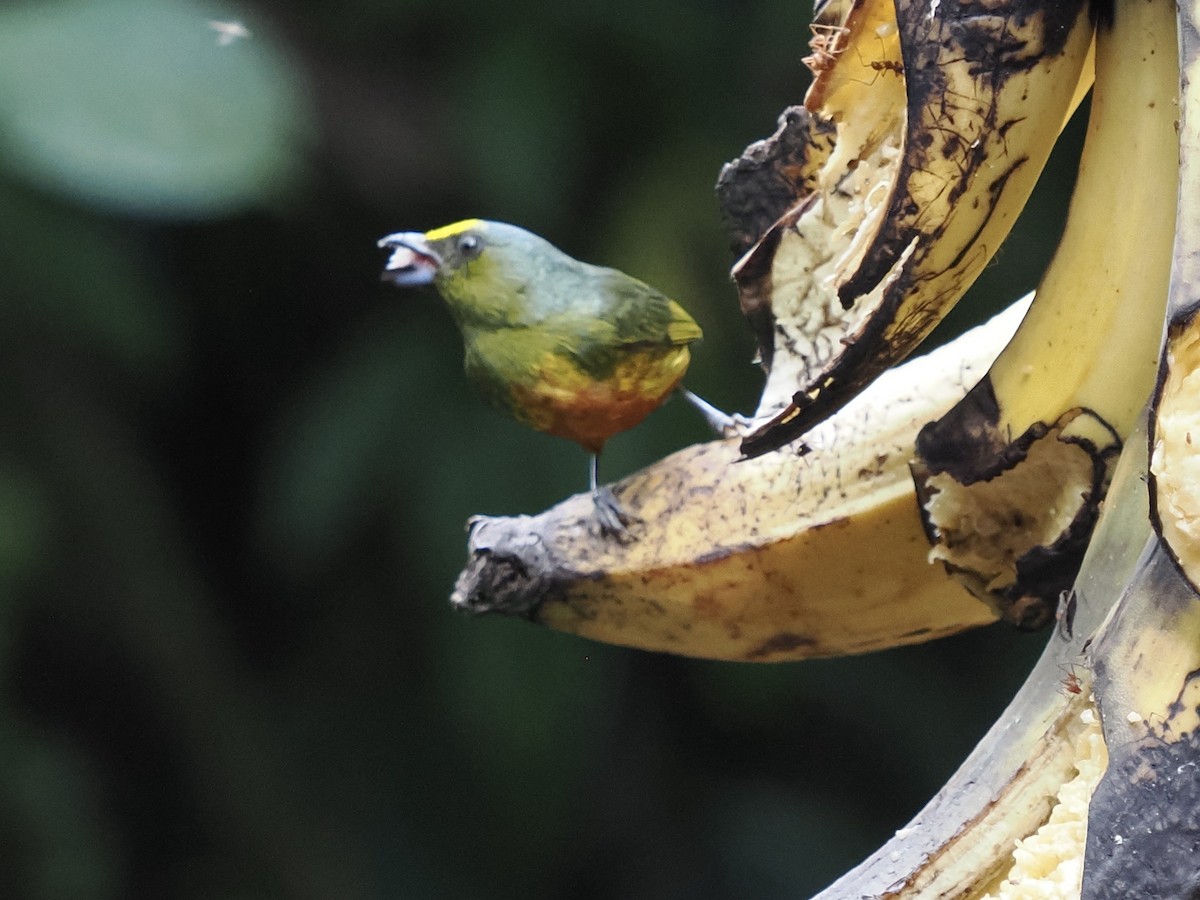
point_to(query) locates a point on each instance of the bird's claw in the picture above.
(736, 426)
(725, 424)
(611, 520)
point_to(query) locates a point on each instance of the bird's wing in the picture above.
(638, 314)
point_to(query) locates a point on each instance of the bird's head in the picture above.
(434, 255)
(483, 270)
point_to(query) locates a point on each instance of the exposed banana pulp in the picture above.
(809, 321)
(1175, 462)
(791, 275)
(989, 531)
(1049, 863)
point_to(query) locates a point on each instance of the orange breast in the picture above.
(565, 402)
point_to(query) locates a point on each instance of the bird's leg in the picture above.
(724, 424)
(614, 522)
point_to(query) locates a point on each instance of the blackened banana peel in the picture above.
(945, 114)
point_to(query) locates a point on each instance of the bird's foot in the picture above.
(612, 521)
(735, 425)
(725, 424)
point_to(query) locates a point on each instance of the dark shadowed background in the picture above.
(235, 468)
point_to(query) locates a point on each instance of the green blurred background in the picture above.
(235, 468)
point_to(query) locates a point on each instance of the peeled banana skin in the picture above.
(945, 114)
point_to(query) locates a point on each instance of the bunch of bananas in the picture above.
(1051, 457)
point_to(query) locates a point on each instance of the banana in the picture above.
(1111, 778)
(1175, 435)
(1014, 475)
(757, 560)
(1086, 785)
(944, 116)
(1142, 820)
(1037, 765)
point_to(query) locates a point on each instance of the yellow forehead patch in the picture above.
(447, 231)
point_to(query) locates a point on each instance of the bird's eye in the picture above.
(469, 245)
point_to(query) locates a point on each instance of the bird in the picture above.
(574, 350)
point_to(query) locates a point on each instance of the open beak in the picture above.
(413, 262)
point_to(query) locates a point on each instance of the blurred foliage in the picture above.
(126, 105)
(234, 469)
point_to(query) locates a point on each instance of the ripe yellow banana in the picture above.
(734, 561)
(944, 116)
(1014, 475)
